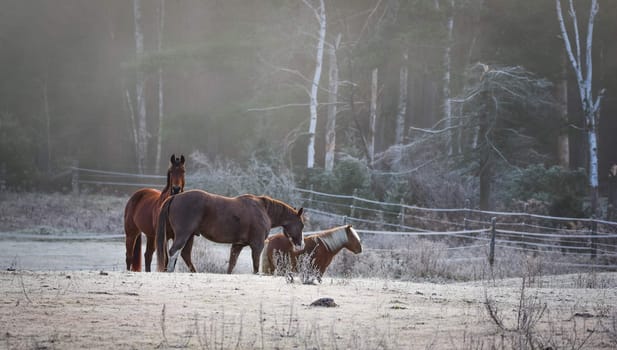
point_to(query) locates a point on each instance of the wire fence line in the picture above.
(468, 228)
(591, 240)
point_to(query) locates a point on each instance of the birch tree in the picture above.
(402, 99)
(372, 117)
(159, 140)
(320, 15)
(333, 83)
(579, 54)
(447, 62)
(47, 123)
(563, 140)
(141, 125)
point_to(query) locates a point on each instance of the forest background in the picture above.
(429, 102)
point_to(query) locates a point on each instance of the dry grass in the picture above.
(57, 213)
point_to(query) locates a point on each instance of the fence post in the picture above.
(75, 177)
(352, 207)
(491, 252)
(594, 232)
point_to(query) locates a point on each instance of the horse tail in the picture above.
(161, 233)
(266, 263)
(136, 265)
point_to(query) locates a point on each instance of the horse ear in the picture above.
(173, 159)
(300, 211)
(182, 159)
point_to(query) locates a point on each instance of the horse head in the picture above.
(175, 174)
(292, 229)
(354, 244)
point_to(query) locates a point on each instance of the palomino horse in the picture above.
(320, 248)
(141, 212)
(241, 221)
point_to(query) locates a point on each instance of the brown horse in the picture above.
(241, 221)
(141, 212)
(320, 248)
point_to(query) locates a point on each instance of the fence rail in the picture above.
(591, 239)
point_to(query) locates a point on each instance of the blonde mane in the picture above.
(334, 238)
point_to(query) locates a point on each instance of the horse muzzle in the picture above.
(175, 189)
(296, 247)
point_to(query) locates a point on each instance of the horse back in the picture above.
(219, 218)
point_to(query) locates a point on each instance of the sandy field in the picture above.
(126, 310)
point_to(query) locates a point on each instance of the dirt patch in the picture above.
(123, 310)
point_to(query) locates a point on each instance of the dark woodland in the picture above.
(488, 97)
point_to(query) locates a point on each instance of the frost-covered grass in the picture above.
(61, 213)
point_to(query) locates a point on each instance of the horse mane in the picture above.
(166, 188)
(334, 238)
(276, 208)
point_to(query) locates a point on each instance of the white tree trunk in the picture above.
(129, 103)
(373, 117)
(447, 103)
(402, 100)
(591, 105)
(142, 132)
(563, 140)
(332, 106)
(320, 14)
(47, 124)
(159, 139)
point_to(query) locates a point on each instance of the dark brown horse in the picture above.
(141, 212)
(241, 221)
(320, 248)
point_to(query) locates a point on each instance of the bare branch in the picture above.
(315, 10)
(566, 40)
(368, 19)
(577, 39)
(288, 105)
(593, 11)
(433, 131)
(272, 108)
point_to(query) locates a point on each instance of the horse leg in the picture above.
(167, 247)
(256, 254)
(186, 254)
(133, 248)
(175, 250)
(233, 256)
(150, 246)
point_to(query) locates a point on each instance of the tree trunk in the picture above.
(372, 118)
(47, 125)
(447, 103)
(129, 103)
(321, 19)
(593, 167)
(142, 131)
(485, 160)
(563, 139)
(332, 106)
(485, 182)
(159, 139)
(402, 100)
